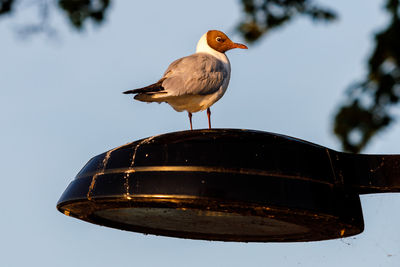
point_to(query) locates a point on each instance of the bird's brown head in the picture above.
(218, 40)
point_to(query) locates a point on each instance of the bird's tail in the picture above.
(153, 88)
(147, 93)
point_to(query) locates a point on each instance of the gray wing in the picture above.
(197, 74)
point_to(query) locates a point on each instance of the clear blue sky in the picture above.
(61, 104)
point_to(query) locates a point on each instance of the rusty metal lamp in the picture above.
(229, 185)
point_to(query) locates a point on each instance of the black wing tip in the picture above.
(153, 88)
(129, 92)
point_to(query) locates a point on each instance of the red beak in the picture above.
(241, 46)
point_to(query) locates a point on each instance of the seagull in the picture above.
(194, 83)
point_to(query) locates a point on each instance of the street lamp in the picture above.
(229, 185)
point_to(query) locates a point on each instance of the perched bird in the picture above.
(194, 83)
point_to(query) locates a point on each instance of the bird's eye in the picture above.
(219, 39)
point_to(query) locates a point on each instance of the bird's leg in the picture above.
(190, 119)
(209, 117)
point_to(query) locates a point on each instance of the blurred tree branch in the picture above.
(6, 6)
(78, 12)
(367, 110)
(260, 16)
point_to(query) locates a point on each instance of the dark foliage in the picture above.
(262, 16)
(367, 110)
(6, 6)
(79, 11)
